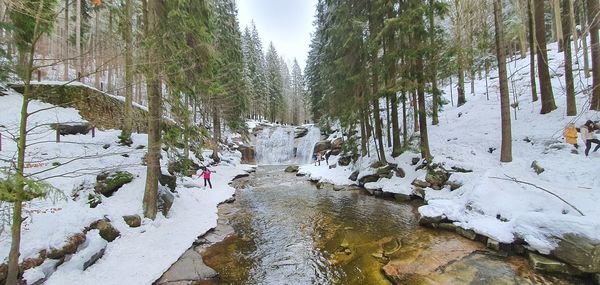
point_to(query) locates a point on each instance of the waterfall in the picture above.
(278, 146)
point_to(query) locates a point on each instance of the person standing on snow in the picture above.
(588, 136)
(206, 175)
(570, 134)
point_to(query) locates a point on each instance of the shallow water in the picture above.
(289, 232)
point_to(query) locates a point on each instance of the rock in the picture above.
(401, 197)
(336, 144)
(426, 221)
(470, 234)
(493, 244)
(322, 146)
(168, 180)
(538, 169)
(377, 164)
(345, 160)
(354, 175)
(460, 169)
(596, 278)
(332, 166)
(415, 160)
(579, 252)
(165, 201)
(184, 166)
(420, 183)
(399, 172)
(133, 221)
(300, 174)
(94, 199)
(189, 267)
(71, 128)
(447, 227)
(545, 264)
(69, 248)
(300, 132)
(437, 177)
(385, 172)
(248, 154)
(292, 168)
(453, 185)
(94, 258)
(107, 183)
(107, 231)
(106, 146)
(368, 178)
(419, 192)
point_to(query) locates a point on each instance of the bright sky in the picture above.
(286, 23)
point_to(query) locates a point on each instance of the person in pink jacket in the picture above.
(206, 175)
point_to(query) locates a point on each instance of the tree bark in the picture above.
(566, 25)
(396, 146)
(66, 42)
(78, 39)
(532, 48)
(584, 28)
(506, 149)
(556, 17)
(128, 37)
(593, 14)
(425, 153)
(433, 68)
(542, 58)
(404, 119)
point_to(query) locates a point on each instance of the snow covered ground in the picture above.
(140, 255)
(488, 204)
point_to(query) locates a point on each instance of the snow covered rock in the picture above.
(107, 183)
(581, 252)
(106, 229)
(71, 128)
(165, 201)
(292, 168)
(133, 221)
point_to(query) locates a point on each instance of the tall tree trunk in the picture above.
(378, 129)
(433, 68)
(573, 26)
(556, 18)
(584, 28)
(154, 104)
(216, 132)
(425, 153)
(363, 134)
(461, 81)
(542, 59)
(566, 25)
(593, 14)
(127, 35)
(66, 42)
(388, 119)
(404, 119)
(78, 39)
(396, 146)
(506, 149)
(532, 47)
(415, 111)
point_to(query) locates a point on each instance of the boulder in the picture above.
(107, 183)
(291, 169)
(168, 180)
(368, 178)
(107, 231)
(94, 258)
(578, 251)
(470, 234)
(345, 160)
(69, 248)
(190, 267)
(336, 144)
(133, 221)
(545, 264)
(354, 175)
(300, 132)
(385, 172)
(322, 146)
(426, 221)
(377, 164)
(332, 166)
(401, 197)
(165, 201)
(415, 160)
(399, 172)
(183, 166)
(437, 177)
(420, 183)
(248, 154)
(71, 128)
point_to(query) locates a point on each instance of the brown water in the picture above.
(289, 232)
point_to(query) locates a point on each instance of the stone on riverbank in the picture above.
(291, 169)
(189, 267)
(545, 264)
(579, 252)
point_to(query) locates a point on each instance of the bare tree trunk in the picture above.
(506, 149)
(566, 25)
(154, 104)
(425, 153)
(78, 38)
(216, 133)
(363, 134)
(404, 119)
(532, 48)
(66, 42)
(593, 14)
(128, 111)
(389, 122)
(396, 146)
(415, 111)
(542, 58)
(573, 26)
(584, 28)
(433, 68)
(557, 22)
(378, 127)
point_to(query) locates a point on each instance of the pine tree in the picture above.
(275, 84)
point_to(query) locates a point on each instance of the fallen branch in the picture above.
(538, 187)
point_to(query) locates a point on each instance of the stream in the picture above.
(286, 231)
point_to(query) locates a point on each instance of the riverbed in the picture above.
(286, 231)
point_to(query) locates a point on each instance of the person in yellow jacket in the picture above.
(570, 134)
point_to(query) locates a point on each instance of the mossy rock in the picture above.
(183, 166)
(133, 221)
(291, 168)
(69, 248)
(368, 178)
(94, 199)
(354, 175)
(168, 180)
(107, 231)
(537, 168)
(385, 172)
(345, 160)
(545, 264)
(108, 183)
(437, 177)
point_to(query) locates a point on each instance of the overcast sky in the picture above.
(286, 23)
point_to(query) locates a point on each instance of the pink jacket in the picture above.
(206, 174)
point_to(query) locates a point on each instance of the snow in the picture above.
(489, 202)
(140, 255)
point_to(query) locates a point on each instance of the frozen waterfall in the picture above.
(277, 145)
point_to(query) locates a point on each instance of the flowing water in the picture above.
(277, 146)
(289, 232)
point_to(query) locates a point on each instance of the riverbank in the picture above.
(545, 200)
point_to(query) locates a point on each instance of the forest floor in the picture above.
(141, 254)
(488, 202)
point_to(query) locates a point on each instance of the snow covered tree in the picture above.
(275, 84)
